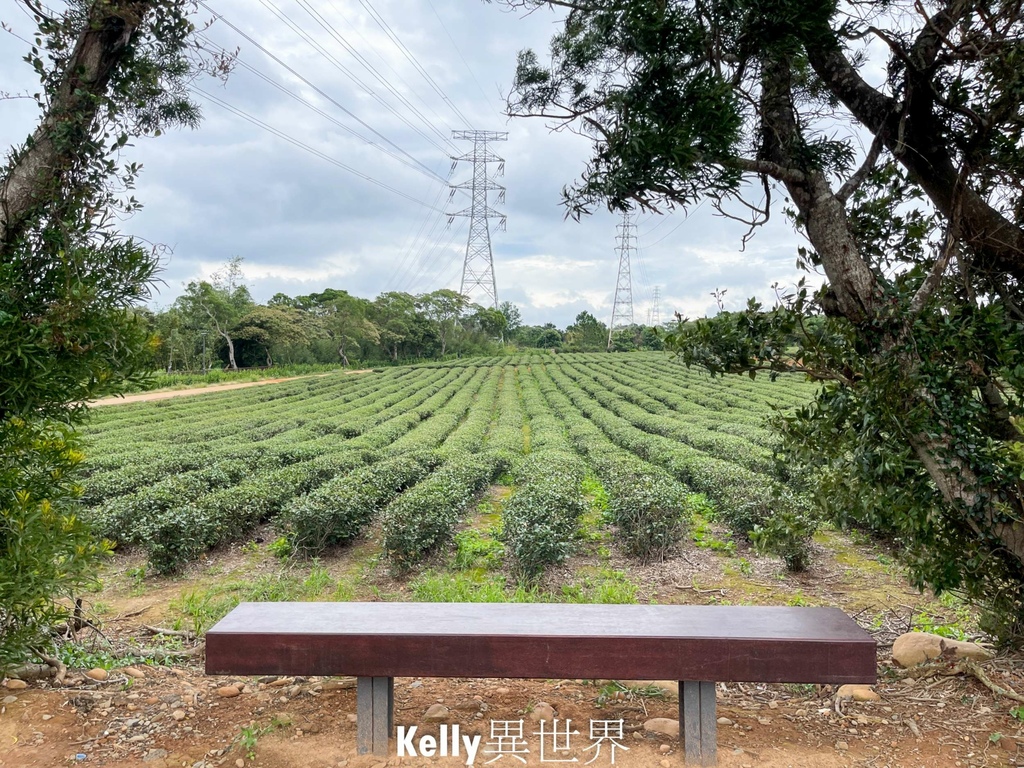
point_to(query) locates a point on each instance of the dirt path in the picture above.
(144, 397)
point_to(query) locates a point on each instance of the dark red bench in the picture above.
(696, 645)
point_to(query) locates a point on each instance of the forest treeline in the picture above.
(217, 324)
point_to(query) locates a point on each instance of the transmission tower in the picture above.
(622, 307)
(656, 309)
(478, 269)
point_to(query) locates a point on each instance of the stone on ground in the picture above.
(542, 712)
(663, 726)
(857, 693)
(913, 648)
(436, 713)
(98, 674)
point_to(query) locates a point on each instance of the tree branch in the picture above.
(777, 171)
(853, 183)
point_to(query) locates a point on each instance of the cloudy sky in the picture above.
(351, 82)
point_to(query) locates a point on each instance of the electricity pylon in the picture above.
(622, 306)
(656, 309)
(478, 268)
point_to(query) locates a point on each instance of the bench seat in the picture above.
(696, 645)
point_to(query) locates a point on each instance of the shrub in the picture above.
(541, 516)
(424, 517)
(338, 511)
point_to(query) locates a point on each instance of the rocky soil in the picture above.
(940, 712)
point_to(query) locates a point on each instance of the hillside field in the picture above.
(322, 458)
(576, 478)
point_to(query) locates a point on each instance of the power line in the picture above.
(297, 28)
(455, 47)
(331, 30)
(400, 155)
(338, 65)
(412, 59)
(302, 145)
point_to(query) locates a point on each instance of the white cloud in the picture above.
(303, 224)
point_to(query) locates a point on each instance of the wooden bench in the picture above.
(696, 645)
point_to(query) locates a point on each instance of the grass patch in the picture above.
(607, 587)
(468, 587)
(476, 550)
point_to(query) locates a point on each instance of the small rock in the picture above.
(857, 693)
(154, 754)
(281, 682)
(773, 705)
(135, 672)
(283, 719)
(663, 726)
(98, 674)
(239, 763)
(15, 685)
(416, 684)
(502, 690)
(724, 721)
(47, 717)
(471, 705)
(764, 720)
(228, 691)
(542, 712)
(351, 718)
(178, 714)
(664, 749)
(665, 764)
(8, 700)
(435, 713)
(842, 746)
(913, 648)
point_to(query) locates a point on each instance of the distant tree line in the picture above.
(217, 324)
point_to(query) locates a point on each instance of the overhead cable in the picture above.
(312, 150)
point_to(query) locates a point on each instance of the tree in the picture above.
(921, 242)
(218, 305)
(109, 70)
(394, 313)
(269, 327)
(345, 319)
(587, 333)
(513, 317)
(444, 307)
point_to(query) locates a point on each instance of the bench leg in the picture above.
(698, 722)
(375, 707)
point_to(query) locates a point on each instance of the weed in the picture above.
(250, 548)
(800, 689)
(1017, 713)
(203, 608)
(593, 490)
(280, 548)
(616, 691)
(926, 622)
(474, 550)
(318, 582)
(248, 738)
(798, 599)
(705, 538)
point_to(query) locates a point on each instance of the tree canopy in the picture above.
(109, 70)
(919, 237)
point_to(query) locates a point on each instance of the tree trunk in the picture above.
(232, 365)
(860, 301)
(103, 44)
(911, 133)
(341, 354)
